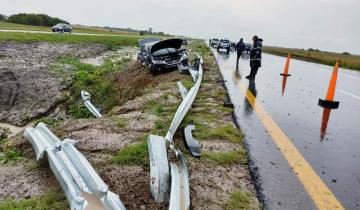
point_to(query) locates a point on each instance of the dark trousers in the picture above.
(238, 57)
(253, 71)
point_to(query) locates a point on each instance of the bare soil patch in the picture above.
(28, 89)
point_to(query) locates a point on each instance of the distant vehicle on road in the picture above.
(159, 55)
(247, 48)
(214, 42)
(224, 44)
(233, 46)
(61, 27)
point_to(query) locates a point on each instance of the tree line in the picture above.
(32, 19)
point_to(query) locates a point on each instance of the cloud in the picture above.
(327, 25)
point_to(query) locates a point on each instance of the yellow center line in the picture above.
(314, 186)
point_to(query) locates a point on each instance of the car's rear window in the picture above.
(216, 39)
(225, 41)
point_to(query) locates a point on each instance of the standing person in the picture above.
(255, 57)
(240, 46)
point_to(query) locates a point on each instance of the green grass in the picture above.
(79, 111)
(76, 29)
(134, 154)
(97, 80)
(226, 158)
(327, 58)
(10, 155)
(54, 200)
(155, 107)
(225, 132)
(47, 121)
(120, 121)
(199, 47)
(111, 42)
(15, 26)
(239, 200)
(9, 152)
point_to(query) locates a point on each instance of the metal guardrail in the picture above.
(180, 189)
(185, 105)
(157, 145)
(183, 90)
(85, 97)
(191, 143)
(83, 187)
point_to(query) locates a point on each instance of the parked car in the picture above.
(224, 44)
(247, 48)
(213, 42)
(61, 27)
(233, 46)
(161, 55)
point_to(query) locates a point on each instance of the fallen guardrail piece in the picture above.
(158, 147)
(191, 143)
(83, 187)
(85, 97)
(183, 90)
(180, 189)
(194, 74)
(159, 168)
(185, 104)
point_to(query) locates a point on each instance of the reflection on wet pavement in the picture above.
(324, 122)
(283, 86)
(251, 90)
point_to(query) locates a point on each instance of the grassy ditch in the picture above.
(97, 80)
(316, 56)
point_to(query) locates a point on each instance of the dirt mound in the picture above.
(28, 88)
(135, 79)
(131, 183)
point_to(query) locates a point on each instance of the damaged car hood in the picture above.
(168, 43)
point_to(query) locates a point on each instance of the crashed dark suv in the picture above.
(160, 55)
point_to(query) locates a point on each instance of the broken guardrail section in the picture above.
(85, 97)
(192, 144)
(83, 187)
(161, 170)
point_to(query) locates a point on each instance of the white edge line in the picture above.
(349, 94)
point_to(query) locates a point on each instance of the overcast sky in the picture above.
(325, 24)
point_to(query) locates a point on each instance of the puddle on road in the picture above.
(124, 52)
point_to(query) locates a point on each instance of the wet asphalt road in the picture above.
(329, 140)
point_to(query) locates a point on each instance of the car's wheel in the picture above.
(228, 50)
(218, 49)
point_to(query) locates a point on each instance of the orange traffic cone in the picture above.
(286, 70)
(329, 100)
